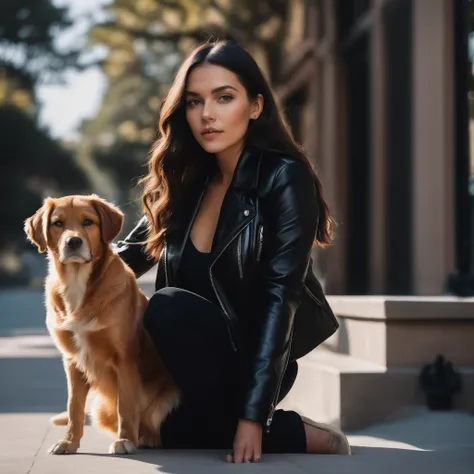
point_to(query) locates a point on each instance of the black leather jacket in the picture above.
(261, 249)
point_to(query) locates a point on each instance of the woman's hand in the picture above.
(247, 443)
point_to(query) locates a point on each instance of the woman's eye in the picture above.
(192, 103)
(87, 223)
(58, 223)
(225, 98)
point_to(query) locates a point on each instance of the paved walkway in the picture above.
(33, 388)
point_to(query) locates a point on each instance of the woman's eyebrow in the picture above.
(214, 91)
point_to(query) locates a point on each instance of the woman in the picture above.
(232, 209)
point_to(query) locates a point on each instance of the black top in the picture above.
(194, 272)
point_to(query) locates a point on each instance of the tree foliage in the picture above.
(32, 163)
(27, 32)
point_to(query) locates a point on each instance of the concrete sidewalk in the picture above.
(33, 388)
(25, 439)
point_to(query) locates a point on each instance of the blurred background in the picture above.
(379, 92)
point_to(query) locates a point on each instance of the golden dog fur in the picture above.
(94, 313)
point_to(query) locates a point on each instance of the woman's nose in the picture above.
(207, 113)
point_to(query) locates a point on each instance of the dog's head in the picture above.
(75, 229)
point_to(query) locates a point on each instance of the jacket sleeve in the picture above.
(133, 252)
(291, 217)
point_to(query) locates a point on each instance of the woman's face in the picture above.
(218, 109)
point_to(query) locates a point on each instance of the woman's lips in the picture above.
(210, 135)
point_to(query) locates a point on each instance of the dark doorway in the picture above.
(398, 34)
(357, 59)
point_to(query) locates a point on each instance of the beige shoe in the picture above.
(338, 443)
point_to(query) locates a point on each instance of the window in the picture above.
(398, 33)
(349, 12)
(469, 198)
(358, 166)
(461, 283)
(356, 52)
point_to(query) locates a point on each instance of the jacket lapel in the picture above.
(177, 239)
(238, 209)
(239, 205)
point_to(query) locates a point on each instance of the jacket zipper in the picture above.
(239, 257)
(260, 242)
(166, 265)
(232, 343)
(314, 298)
(234, 347)
(191, 222)
(277, 392)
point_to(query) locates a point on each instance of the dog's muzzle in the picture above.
(75, 250)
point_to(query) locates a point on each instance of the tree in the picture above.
(33, 166)
(27, 30)
(32, 163)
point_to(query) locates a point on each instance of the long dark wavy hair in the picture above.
(177, 159)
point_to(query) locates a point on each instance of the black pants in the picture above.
(191, 336)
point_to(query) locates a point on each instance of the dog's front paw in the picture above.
(64, 447)
(122, 446)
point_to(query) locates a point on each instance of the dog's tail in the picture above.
(61, 419)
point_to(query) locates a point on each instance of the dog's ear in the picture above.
(111, 218)
(36, 226)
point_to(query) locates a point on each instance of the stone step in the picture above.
(404, 331)
(354, 393)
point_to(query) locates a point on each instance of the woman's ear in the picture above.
(111, 218)
(36, 226)
(257, 107)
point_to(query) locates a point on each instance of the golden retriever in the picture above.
(94, 313)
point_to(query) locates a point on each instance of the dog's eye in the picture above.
(87, 223)
(58, 223)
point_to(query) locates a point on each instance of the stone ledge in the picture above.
(404, 332)
(402, 307)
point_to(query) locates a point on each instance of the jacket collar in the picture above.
(246, 172)
(238, 207)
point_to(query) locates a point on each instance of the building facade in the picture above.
(374, 90)
(378, 92)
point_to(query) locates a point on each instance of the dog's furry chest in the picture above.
(75, 286)
(84, 343)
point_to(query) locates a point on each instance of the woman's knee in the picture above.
(161, 298)
(171, 307)
(160, 309)
(170, 298)
(175, 312)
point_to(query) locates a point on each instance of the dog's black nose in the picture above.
(74, 243)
